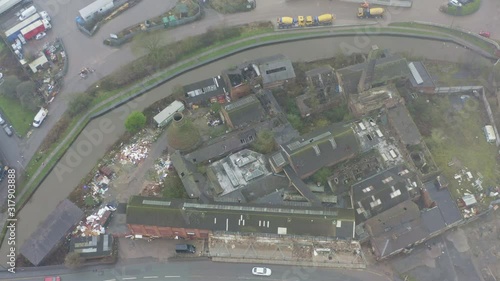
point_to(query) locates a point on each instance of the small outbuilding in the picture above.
(489, 132)
(166, 115)
(94, 8)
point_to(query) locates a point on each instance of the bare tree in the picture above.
(73, 260)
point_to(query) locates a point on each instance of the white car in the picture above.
(40, 35)
(2, 121)
(261, 271)
(455, 3)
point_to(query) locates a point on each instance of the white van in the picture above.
(40, 116)
(27, 13)
(45, 15)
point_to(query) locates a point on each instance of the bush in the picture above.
(55, 133)
(231, 6)
(465, 10)
(79, 103)
(135, 121)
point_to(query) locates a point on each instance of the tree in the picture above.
(9, 86)
(151, 44)
(79, 103)
(265, 142)
(135, 121)
(322, 175)
(73, 260)
(295, 121)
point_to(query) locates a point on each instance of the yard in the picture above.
(20, 117)
(453, 130)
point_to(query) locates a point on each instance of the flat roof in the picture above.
(251, 218)
(205, 90)
(276, 69)
(402, 122)
(92, 246)
(94, 7)
(424, 75)
(244, 111)
(166, 113)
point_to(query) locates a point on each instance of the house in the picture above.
(402, 123)
(275, 71)
(205, 92)
(92, 247)
(51, 232)
(242, 112)
(383, 191)
(188, 173)
(420, 78)
(324, 91)
(309, 153)
(182, 219)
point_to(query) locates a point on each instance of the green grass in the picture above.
(457, 135)
(462, 11)
(457, 33)
(20, 118)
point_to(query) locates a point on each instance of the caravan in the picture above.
(40, 116)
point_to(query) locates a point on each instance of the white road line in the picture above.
(129, 278)
(110, 280)
(150, 277)
(172, 276)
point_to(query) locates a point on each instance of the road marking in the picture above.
(172, 276)
(110, 280)
(150, 277)
(129, 278)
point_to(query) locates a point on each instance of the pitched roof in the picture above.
(51, 231)
(232, 217)
(396, 228)
(382, 191)
(244, 111)
(324, 147)
(446, 204)
(204, 90)
(92, 246)
(186, 172)
(400, 119)
(422, 73)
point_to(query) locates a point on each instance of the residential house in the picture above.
(51, 232)
(182, 219)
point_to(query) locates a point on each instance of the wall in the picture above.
(168, 232)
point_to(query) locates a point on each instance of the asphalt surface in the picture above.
(207, 271)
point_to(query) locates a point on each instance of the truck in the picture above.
(364, 13)
(33, 29)
(286, 22)
(325, 19)
(12, 33)
(6, 5)
(28, 12)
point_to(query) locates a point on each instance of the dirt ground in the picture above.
(162, 249)
(483, 237)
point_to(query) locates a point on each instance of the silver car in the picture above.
(7, 130)
(2, 121)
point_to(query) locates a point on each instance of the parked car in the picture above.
(261, 271)
(486, 34)
(52, 278)
(40, 35)
(455, 3)
(2, 121)
(7, 129)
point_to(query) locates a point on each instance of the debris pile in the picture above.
(162, 167)
(136, 152)
(152, 190)
(94, 224)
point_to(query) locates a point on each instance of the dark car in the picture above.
(185, 248)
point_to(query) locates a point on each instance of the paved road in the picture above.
(209, 271)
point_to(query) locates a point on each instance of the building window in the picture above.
(271, 71)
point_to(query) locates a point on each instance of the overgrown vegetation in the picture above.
(265, 142)
(232, 6)
(135, 122)
(173, 187)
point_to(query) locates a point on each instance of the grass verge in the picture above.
(483, 44)
(19, 117)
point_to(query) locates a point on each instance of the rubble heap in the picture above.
(94, 224)
(136, 152)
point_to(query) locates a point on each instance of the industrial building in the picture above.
(95, 8)
(205, 92)
(242, 112)
(167, 114)
(92, 247)
(155, 217)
